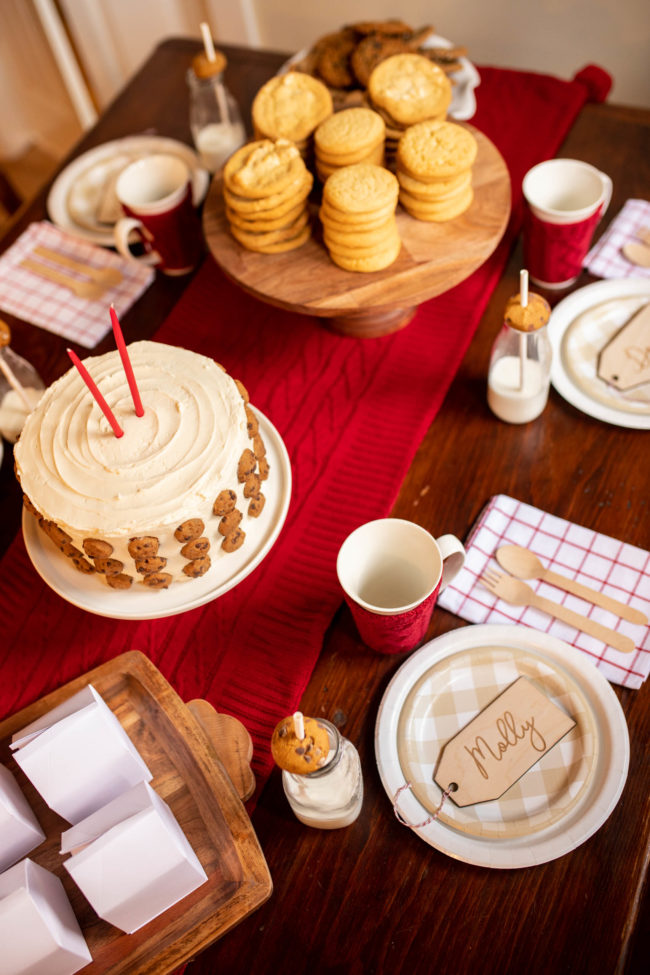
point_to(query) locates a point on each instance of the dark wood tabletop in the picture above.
(373, 897)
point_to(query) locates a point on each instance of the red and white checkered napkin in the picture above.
(600, 562)
(605, 258)
(54, 307)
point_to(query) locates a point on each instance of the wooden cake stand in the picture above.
(434, 257)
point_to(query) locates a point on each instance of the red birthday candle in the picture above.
(126, 362)
(99, 399)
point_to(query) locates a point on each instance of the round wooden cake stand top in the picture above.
(434, 258)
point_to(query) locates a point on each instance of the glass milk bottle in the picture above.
(332, 796)
(20, 388)
(520, 364)
(215, 121)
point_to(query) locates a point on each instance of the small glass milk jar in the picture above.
(332, 796)
(519, 375)
(20, 388)
(215, 120)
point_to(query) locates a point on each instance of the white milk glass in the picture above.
(519, 375)
(332, 796)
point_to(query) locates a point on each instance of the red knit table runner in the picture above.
(351, 412)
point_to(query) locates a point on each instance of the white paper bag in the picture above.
(39, 933)
(20, 831)
(79, 756)
(131, 859)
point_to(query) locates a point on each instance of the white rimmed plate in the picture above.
(607, 771)
(138, 603)
(579, 328)
(79, 187)
(436, 709)
(465, 80)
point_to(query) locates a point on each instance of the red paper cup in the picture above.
(391, 572)
(158, 197)
(565, 199)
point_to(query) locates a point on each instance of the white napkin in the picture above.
(598, 561)
(55, 308)
(605, 258)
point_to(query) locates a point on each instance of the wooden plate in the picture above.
(189, 777)
(434, 258)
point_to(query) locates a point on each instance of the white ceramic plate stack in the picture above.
(77, 192)
(555, 806)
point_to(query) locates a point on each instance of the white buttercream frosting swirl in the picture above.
(169, 465)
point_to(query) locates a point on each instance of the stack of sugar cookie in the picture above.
(406, 89)
(291, 106)
(434, 169)
(265, 188)
(354, 135)
(358, 216)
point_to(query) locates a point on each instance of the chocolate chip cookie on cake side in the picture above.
(434, 169)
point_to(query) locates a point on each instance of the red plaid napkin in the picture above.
(598, 561)
(54, 307)
(605, 258)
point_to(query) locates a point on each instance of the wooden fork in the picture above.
(108, 276)
(519, 593)
(90, 290)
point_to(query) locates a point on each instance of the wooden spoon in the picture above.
(108, 276)
(90, 290)
(636, 253)
(524, 564)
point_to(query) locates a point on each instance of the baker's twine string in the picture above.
(407, 785)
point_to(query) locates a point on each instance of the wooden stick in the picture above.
(523, 298)
(99, 399)
(126, 362)
(207, 42)
(299, 725)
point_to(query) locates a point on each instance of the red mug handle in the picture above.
(121, 233)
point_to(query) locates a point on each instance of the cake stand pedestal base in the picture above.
(372, 323)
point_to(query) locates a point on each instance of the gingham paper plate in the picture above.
(580, 794)
(580, 327)
(449, 694)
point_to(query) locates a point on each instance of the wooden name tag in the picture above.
(501, 743)
(625, 360)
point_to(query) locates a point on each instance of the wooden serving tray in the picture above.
(433, 259)
(188, 775)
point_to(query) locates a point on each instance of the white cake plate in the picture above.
(138, 603)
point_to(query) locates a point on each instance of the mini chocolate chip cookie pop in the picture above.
(321, 771)
(299, 744)
(520, 364)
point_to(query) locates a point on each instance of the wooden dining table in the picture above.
(373, 897)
